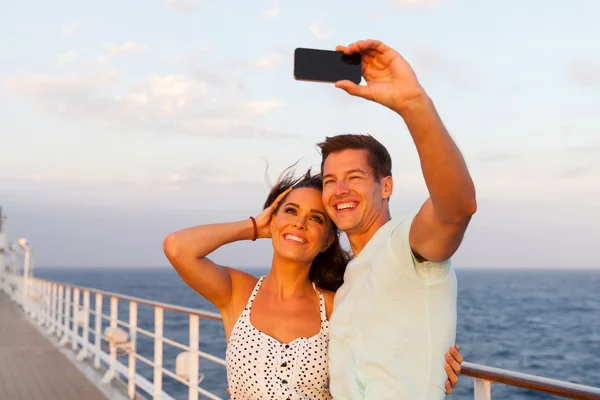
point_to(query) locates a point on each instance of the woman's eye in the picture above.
(290, 210)
(318, 219)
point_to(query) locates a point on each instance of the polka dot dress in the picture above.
(261, 367)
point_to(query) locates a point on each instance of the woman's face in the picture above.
(301, 228)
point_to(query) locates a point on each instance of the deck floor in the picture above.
(31, 367)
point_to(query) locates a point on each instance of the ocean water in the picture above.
(542, 322)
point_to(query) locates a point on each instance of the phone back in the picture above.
(326, 66)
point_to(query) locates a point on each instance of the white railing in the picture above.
(66, 311)
(484, 376)
(60, 309)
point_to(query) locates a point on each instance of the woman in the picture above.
(277, 326)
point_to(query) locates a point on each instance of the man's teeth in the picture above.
(295, 238)
(343, 206)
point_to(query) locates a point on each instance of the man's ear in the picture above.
(387, 187)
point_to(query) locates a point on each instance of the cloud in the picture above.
(194, 178)
(401, 4)
(82, 212)
(272, 12)
(69, 29)
(262, 107)
(317, 29)
(451, 71)
(125, 48)
(584, 149)
(67, 57)
(158, 103)
(182, 5)
(268, 61)
(580, 172)
(215, 187)
(71, 85)
(585, 72)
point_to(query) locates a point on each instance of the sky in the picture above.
(125, 121)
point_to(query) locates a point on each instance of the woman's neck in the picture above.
(288, 278)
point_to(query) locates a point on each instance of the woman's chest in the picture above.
(286, 321)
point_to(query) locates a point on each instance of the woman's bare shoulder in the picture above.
(242, 282)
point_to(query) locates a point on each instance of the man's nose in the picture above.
(341, 187)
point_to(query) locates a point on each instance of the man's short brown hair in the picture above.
(378, 157)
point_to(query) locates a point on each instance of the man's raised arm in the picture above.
(439, 226)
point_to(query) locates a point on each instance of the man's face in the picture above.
(352, 196)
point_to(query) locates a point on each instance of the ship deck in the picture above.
(31, 367)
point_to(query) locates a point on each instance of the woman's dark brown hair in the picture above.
(327, 269)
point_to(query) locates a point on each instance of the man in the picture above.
(395, 316)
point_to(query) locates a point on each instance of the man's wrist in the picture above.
(418, 102)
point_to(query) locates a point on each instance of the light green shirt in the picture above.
(393, 322)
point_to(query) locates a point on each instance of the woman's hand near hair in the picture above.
(263, 220)
(187, 251)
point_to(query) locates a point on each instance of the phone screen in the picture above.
(326, 66)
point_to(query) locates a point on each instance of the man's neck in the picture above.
(359, 239)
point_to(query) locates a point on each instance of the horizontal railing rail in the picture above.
(58, 307)
(151, 303)
(485, 375)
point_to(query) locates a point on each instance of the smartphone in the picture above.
(326, 66)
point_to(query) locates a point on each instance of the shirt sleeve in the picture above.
(429, 272)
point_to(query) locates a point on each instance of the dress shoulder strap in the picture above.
(253, 295)
(322, 308)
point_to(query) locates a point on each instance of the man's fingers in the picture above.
(453, 364)
(353, 89)
(448, 388)
(452, 378)
(365, 45)
(454, 352)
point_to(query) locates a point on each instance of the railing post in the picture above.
(114, 316)
(52, 326)
(60, 330)
(132, 348)
(38, 312)
(76, 312)
(85, 334)
(98, 329)
(482, 390)
(158, 351)
(26, 279)
(56, 307)
(67, 330)
(39, 299)
(194, 358)
(48, 304)
(86, 317)
(45, 303)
